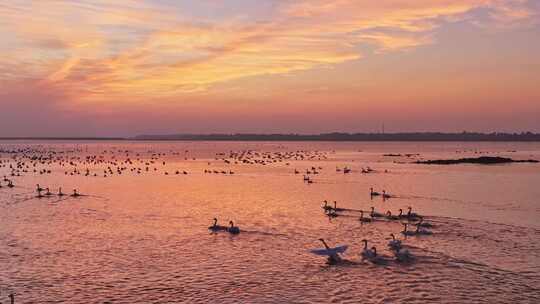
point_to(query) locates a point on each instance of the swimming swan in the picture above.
(394, 244)
(374, 214)
(411, 214)
(326, 208)
(368, 254)
(332, 258)
(233, 229)
(215, 227)
(407, 232)
(391, 217)
(373, 193)
(364, 219)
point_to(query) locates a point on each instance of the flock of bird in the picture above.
(232, 229)
(115, 162)
(110, 162)
(395, 246)
(48, 193)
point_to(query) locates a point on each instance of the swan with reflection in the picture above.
(407, 232)
(391, 217)
(332, 213)
(338, 209)
(373, 193)
(363, 219)
(374, 214)
(326, 207)
(232, 229)
(332, 253)
(368, 254)
(75, 193)
(410, 214)
(215, 227)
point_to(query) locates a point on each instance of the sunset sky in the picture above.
(121, 68)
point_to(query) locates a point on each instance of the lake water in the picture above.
(142, 236)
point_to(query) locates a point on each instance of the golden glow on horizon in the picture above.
(133, 52)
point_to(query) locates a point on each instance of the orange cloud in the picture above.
(129, 51)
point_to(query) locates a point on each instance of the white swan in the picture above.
(333, 253)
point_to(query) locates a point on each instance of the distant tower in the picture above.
(383, 128)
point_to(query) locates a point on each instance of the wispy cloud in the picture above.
(97, 50)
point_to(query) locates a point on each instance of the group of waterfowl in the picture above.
(367, 254)
(345, 170)
(232, 229)
(382, 194)
(265, 158)
(395, 245)
(312, 170)
(229, 172)
(48, 193)
(105, 163)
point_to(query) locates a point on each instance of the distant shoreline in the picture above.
(327, 137)
(64, 138)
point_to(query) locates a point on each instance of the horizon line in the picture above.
(331, 136)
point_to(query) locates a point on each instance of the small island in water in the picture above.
(483, 160)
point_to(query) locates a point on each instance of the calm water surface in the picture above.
(143, 237)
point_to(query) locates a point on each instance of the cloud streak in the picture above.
(104, 55)
(96, 51)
